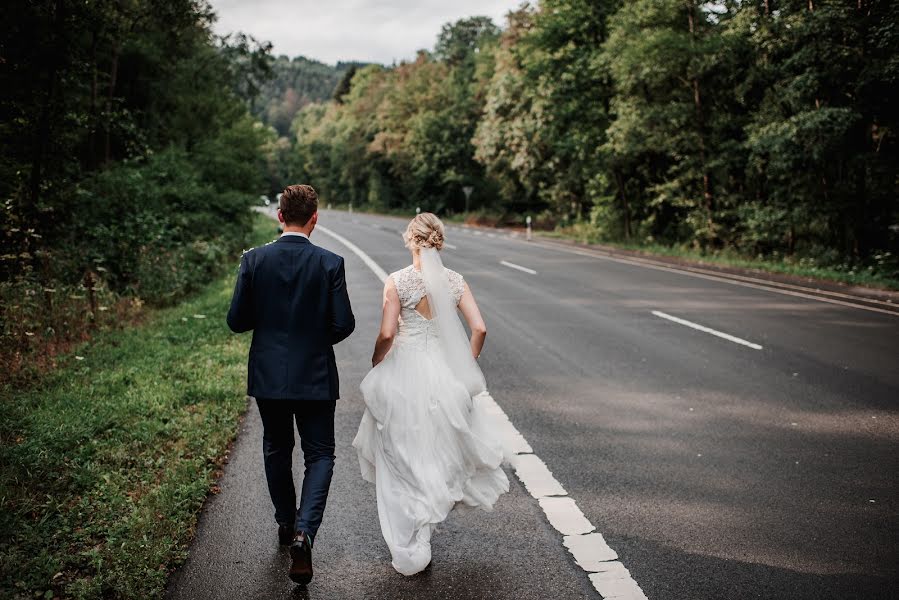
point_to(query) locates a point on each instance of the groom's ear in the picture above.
(280, 217)
(314, 218)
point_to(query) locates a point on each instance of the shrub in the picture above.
(149, 231)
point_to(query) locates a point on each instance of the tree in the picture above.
(343, 87)
(104, 106)
(250, 62)
(675, 116)
(507, 137)
(563, 64)
(822, 156)
(458, 41)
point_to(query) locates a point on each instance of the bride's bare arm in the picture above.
(475, 322)
(389, 321)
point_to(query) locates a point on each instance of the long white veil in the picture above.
(453, 341)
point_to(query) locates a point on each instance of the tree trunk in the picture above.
(708, 199)
(113, 74)
(91, 158)
(43, 129)
(625, 206)
(90, 282)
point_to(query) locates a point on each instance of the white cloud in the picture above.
(333, 30)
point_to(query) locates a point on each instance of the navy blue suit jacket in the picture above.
(292, 295)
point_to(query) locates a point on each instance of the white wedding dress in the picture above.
(426, 439)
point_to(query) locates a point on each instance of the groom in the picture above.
(292, 295)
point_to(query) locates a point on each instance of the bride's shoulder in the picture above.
(453, 274)
(404, 272)
(456, 281)
(401, 276)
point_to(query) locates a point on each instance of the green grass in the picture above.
(107, 460)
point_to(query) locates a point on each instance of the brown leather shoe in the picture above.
(301, 553)
(285, 534)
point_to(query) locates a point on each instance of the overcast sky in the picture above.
(366, 30)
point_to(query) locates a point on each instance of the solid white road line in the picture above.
(450, 246)
(375, 267)
(699, 327)
(519, 267)
(589, 549)
(535, 476)
(565, 516)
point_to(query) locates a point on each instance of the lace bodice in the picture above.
(414, 328)
(411, 288)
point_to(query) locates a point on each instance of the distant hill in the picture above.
(296, 82)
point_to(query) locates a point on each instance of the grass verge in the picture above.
(105, 461)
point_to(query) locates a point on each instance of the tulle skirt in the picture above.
(426, 444)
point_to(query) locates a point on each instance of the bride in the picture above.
(425, 439)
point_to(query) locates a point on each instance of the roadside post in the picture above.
(467, 190)
(417, 210)
(528, 221)
(351, 207)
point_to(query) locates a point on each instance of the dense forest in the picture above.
(294, 83)
(129, 160)
(766, 128)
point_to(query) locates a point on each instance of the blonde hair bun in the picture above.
(424, 231)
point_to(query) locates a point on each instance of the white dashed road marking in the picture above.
(699, 327)
(589, 548)
(518, 267)
(763, 284)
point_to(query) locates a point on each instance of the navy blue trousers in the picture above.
(315, 424)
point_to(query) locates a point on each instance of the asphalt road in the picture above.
(715, 470)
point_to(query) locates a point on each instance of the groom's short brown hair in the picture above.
(298, 203)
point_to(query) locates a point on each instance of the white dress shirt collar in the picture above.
(299, 233)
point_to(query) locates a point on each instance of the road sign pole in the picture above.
(467, 190)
